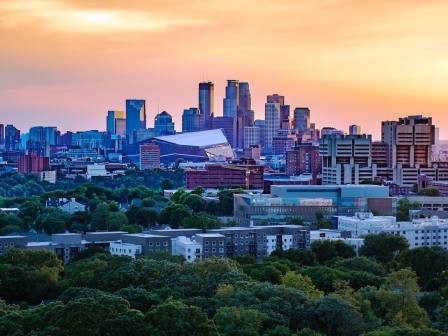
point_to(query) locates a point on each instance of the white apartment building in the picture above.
(118, 248)
(363, 223)
(187, 248)
(420, 232)
(334, 235)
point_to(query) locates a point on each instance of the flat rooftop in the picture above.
(144, 235)
(210, 235)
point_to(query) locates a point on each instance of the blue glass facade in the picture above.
(135, 116)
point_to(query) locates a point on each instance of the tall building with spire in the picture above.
(206, 104)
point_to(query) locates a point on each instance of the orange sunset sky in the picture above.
(66, 62)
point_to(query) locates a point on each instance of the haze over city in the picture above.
(66, 63)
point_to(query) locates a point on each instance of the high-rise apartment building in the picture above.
(2, 136)
(43, 135)
(302, 117)
(284, 109)
(346, 159)
(135, 117)
(115, 122)
(283, 141)
(380, 154)
(163, 124)
(33, 163)
(304, 159)
(354, 130)
(192, 120)
(206, 104)
(260, 123)
(231, 99)
(12, 138)
(149, 156)
(410, 142)
(272, 124)
(252, 136)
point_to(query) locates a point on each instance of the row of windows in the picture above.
(7, 244)
(433, 237)
(158, 244)
(436, 243)
(129, 251)
(214, 243)
(213, 250)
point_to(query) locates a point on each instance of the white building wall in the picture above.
(119, 248)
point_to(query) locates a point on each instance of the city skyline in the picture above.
(66, 63)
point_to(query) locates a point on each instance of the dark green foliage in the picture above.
(176, 318)
(326, 250)
(428, 263)
(403, 207)
(384, 247)
(28, 275)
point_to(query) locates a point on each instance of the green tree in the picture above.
(116, 221)
(201, 220)
(403, 207)
(52, 220)
(384, 247)
(100, 217)
(427, 262)
(194, 202)
(233, 321)
(226, 200)
(176, 318)
(167, 184)
(303, 283)
(27, 275)
(79, 221)
(403, 331)
(326, 250)
(334, 316)
(173, 215)
(145, 217)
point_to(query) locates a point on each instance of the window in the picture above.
(150, 243)
(158, 244)
(206, 243)
(213, 243)
(165, 244)
(221, 243)
(213, 250)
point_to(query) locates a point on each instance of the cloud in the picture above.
(60, 16)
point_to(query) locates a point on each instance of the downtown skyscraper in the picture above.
(135, 117)
(231, 99)
(206, 104)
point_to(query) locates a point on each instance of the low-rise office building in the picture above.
(149, 242)
(306, 201)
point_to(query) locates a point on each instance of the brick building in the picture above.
(246, 175)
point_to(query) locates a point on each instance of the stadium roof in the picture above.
(198, 139)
